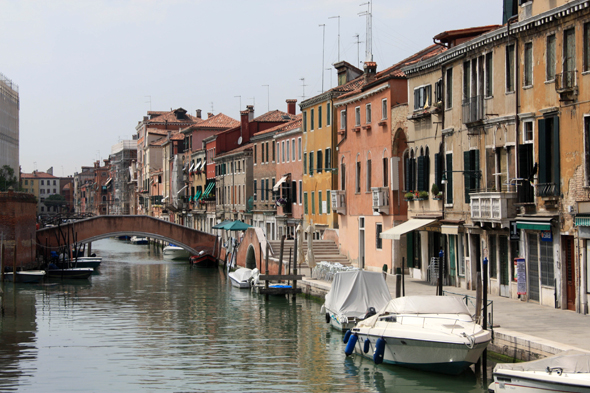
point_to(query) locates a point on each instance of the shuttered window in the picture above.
(449, 191)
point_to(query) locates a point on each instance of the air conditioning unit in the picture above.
(338, 201)
(380, 200)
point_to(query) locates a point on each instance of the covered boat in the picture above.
(241, 278)
(568, 371)
(433, 333)
(351, 296)
(172, 251)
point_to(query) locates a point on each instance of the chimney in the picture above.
(291, 108)
(370, 70)
(210, 115)
(245, 123)
(346, 72)
(250, 109)
(198, 113)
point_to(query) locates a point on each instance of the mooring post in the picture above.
(403, 276)
(398, 282)
(295, 267)
(266, 260)
(90, 249)
(281, 255)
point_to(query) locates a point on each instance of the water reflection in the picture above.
(148, 324)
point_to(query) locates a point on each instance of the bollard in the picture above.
(398, 282)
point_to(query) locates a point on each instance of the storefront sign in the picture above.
(514, 232)
(546, 236)
(520, 275)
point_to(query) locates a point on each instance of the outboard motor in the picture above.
(370, 312)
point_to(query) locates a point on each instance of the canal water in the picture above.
(145, 324)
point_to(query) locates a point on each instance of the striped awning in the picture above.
(534, 224)
(583, 221)
(411, 225)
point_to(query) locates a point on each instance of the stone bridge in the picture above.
(102, 227)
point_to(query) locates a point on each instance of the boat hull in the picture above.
(237, 283)
(441, 357)
(138, 240)
(203, 261)
(539, 382)
(76, 273)
(338, 324)
(93, 264)
(29, 276)
(175, 253)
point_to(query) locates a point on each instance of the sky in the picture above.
(88, 71)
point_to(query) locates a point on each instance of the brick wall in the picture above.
(18, 225)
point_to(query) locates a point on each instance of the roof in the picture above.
(218, 121)
(274, 117)
(451, 35)
(244, 147)
(291, 125)
(178, 115)
(37, 175)
(395, 71)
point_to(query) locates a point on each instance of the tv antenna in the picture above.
(267, 97)
(369, 39)
(358, 45)
(303, 87)
(149, 101)
(323, 26)
(334, 17)
(240, 97)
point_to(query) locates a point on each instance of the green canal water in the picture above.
(144, 324)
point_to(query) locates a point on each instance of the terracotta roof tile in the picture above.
(293, 124)
(274, 117)
(37, 175)
(219, 121)
(246, 146)
(176, 116)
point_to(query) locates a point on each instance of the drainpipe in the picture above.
(516, 91)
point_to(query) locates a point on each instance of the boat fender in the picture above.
(346, 336)
(379, 351)
(327, 317)
(367, 345)
(350, 345)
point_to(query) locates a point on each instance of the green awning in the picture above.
(583, 221)
(534, 225)
(208, 190)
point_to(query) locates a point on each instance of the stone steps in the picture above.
(324, 250)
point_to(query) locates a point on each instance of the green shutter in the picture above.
(449, 190)
(556, 167)
(410, 248)
(329, 201)
(452, 254)
(466, 177)
(543, 167)
(421, 173)
(475, 167)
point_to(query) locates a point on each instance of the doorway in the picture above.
(504, 267)
(570, 268)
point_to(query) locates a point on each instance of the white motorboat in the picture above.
(568, 371)
(433, 333)
(138, 240)
(172, 251)
(74, 272)
(25, 276)
(352, 294)
(241, 278)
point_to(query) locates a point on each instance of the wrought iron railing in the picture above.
(473, 109)
(567, 80)
(547, 189)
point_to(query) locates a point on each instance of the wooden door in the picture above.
(570, 268)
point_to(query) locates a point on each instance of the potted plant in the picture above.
(281, 202)
(436, 193)
(409, 196)
(422, 195)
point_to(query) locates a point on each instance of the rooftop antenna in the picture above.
(35, 165)
(267, 97)
(303, 86)
(369, 14)
(240, 97)
(211, 106)
(253, 101)
(334, 17)
(323, 26)
(358, 45)
(149, 101)
(330, 70)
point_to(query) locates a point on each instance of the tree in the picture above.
(8, 178)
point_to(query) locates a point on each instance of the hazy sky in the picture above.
(88, 71)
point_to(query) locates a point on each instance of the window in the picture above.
(550, 72)
(255, 153)
(342, 175)
(305, 163)
(311, 163)
(569, 58)
(328, 114)
(328, 201)
(300, 191)
(320, 161)
(587, 153)
(422, 97)
(42, 182)
(312, 120)
(288, 151)
(449, 88)
(449, 175)
(438, 91)
(423, 175)
(255, 189)
(357, 116)
(305, 211)
(528, 64)
(489, 75)
(384, 109)
(527, 134)
(305, 121)
(272, 183)
(547, 264)
(299, 147)
(369, 175)
(312, 202)
(586, 48)
(358, 177)
(54, 183)
(342, 120)
(273, 151)
(26, 182)
(368, 113)
(262, 161)
(378, 240)
(385, 166)
(267, 159)
(282, 151)
(293, 148)
(510, 68)
(320, 116)
(294, 192)
(549, 176)
(320, 210)
(328, 159)
(471, 177)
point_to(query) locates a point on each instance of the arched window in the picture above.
(342, 175)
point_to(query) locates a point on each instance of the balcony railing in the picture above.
(547, 189)
(493, 206)
(566, 81)
(473, 109)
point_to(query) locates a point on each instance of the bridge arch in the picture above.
(250, 257)
(102, 227)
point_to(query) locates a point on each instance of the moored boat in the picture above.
(25, 276)
(568, 371)
(172, 251)
(241, 278)
(203, 260)
(432, 333)
(352, 294)
(138, 240)
(74, 272)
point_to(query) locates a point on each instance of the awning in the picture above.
(108, 182)
(534, 223)
(208, 190)
(281, 180)
(583, 221)
(192, 167)
(197, 195)
(411, 225)
(449, 229)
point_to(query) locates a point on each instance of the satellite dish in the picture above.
(239, 140)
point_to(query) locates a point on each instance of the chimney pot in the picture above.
(250, 109)
(209, 115)
(198, 113)
(291, 108)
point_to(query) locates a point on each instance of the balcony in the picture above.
(380, 200)
(547, 190)
(338, 201)
(473, 109)
(566, 85)
(493, 207)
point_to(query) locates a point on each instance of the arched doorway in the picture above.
(251, 258)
